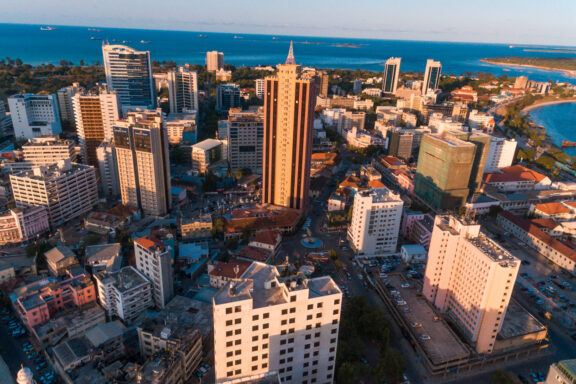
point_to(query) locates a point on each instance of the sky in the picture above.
(548, 22)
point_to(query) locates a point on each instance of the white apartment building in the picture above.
(214, 61)
(129, 73)
(18, 225)
(66, 189)
(65, 108)
(183, 90)
(108, 168)
(376, 218)
(259, 88)
(95, 116)
(124, 294)
(267, 323)
(181, 127)
(458, 250)
(501, 154)
(153, 260)
(47, 150)
(206, 153)
(478, 120)
(245, 139)
(362, 139)
(34, 115)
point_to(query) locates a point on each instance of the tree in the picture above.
(392, 366)
(333, 254)
(232, 244)
(504, 377)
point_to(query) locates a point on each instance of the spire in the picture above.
(290, 59)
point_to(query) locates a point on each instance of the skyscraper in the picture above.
(183, 90)
(431, 76)
(129, 73)
(143, 163)
(443, 172)
(245, 137)
(95, 116)
(289, 103)
(459, 251)
(34, 115)
(65, 103)
(391, 75)
(153, 260)
(214, 61)
(227, 96)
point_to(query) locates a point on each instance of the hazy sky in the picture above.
(500, 21)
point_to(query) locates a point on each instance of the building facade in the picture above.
(153, 260)
(391, 75)
(227, 96)
(289, 116)
(141, 147)
(206, 153)
(264, 322)
(214, 61)
(431, 76)
(17, 225)
(108, 168)
(34, 115)
(47, 150)
(183, 90)
(65, 107)
(501, 154)
(245, 139)
(458, 250)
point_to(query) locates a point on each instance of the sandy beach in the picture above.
(566, 72)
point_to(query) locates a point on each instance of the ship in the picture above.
(126, 42)
(95, 29)
(568, 144)
(238, 37)
(274, 38)
(144, 42)
(47, 28)
(201, 36)
(95, 38)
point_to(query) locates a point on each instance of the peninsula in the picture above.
(566, 65)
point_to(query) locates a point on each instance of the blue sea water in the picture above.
(559, 121)
(35, 46)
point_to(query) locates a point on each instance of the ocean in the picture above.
(35, 46)
(559, 121)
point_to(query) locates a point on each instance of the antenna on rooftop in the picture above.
(290, 59)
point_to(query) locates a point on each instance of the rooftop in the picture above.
(552, 208)
(151, 243)
(514, 173)
(267, 237)
(207, 144)
(125, 279)
(103, 333)
(227, 269)
(380, 195)
(104, 254)
(518, 322)
(493, 250)
(59, 253)
(54, 171)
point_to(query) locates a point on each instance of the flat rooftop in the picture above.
(494, 250)
(124, 279)
(518, 322)
(443, 345)
(380, 195)
(262, 284)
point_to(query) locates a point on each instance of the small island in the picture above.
(566, 65)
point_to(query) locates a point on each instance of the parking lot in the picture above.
(18, 349)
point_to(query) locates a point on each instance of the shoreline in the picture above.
(567, 72)
(545, 104)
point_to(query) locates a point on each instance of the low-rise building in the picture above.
(181, 128)
(221, 273)
(269, 240)
(18, 225)
(199, 228)
(205, 153)
(105, 257)
(413, 254)
(417, 227)
(60, 259)
(517, 178)
(563, 372)
(363, 139)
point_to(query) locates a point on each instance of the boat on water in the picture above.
(47, 28)
(126, 42)
(568, 144)
(95, 38)
(95, 29)
(144, 41)
(238, 37)
(202, 36)
(274, 38)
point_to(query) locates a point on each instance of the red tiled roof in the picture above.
(514, 173)
(254, 253)
(267, 237)
(150, 242)
(552, 208)
(351, 182)
(376, 184)
(571, 204)
(227, 269)
(545, 223)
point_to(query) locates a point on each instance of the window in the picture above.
(336, 312)
(238, 362)
(318, 315)
(317, 344)
(264, 346)
(317, 334)
(319, 305)
(254, 348)
(237, 308)
(228, 333)
(238, 372)
(292, 298)
(292, 321)
(308, 326)
(229, 364)
(238, 331)
(292, 310)
(230, 373)
(284, 322)
(238, 342)
(332, 341)
(284, 311)
(255, 317)
(335, 321)
(265, 356)
(254, 328)
(310, 306)
(308, 337)
(265, 336)
(337, 301)
(228, 310)
(228, 322)
(237, 321)
(306, 364)
(254, 358)
(266, 315)
(229, 354)
(333, 331)
(307, 346)
(309, 317)
(237, 352)
(254, 338)
(229, 343)
(265, 365)
(254, 367)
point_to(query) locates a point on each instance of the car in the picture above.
(401, 303)
(405, 379)
(38, 360)
(405, 285)
(424, 337)
(525, 262)
(416, 324)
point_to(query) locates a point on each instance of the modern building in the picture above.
(183, 90)
(400, 142)
(17, 225)
(154, 261)
(289, 117)
(108, 169)
(65, 107)
(214, 61)
(60, 259)
(391, 75)
(459, 250)
(563, 372)
(95, 116)
(260, 85)
(357, 86)
(141, 147)
(431, 76)
(245, 139)
(501, 154)
(129, 73)
(375, 224)
(34, 115)
(443, 171)
(181, 128)
(67, 190)
(227, 96)
(206, 153)
(47, 150)
(264, 322)
(124, 294)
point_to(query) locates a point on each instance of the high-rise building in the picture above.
(183, 90)
(214, 61)
(375, 225)
(34, 115)
(458, 250)
(245, 138)
(129, 73)
(153, 260)
(124, 294)
(443, 171)
(521, 82)
(206, 153)
(324, 82)
(108, 169)
(563, 372)
(143, 164)
(47, 150)
(391, 75)
(65, 96)
(227, 96)
(260, 84)
(501, 154)
(431, 76)
(288, 121)
(357, 86)
(400, 142)
(66, 189)
(95, 116)
(265, 322)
